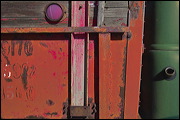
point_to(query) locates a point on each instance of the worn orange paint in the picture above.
(47, 71)
(112, 57)
(38, 83)
(133, 70)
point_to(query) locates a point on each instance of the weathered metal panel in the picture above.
(112, 61)
(134, 60)
(38, 67)
(34, 75)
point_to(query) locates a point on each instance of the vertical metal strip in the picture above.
(134, 60)
(86, 69)
(77, 54)
(104, 75)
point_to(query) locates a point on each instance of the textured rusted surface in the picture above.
(34, 75)
(134, 56)
(65, 30)
(36, 69)
(111, 72)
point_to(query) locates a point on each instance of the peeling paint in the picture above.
(134, 8)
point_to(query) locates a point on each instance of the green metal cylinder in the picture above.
(160, 86)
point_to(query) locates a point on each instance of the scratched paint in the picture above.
(47, 70)
(111, 60)
(32, 75)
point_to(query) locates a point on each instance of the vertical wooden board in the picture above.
(77, 54)
(100, 19)
(112, 61)
(38, 84)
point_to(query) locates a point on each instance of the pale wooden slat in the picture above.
(115, 12)
(30, 22)
(115, 21)
(100, 18)
(77, 54)
(117, 4)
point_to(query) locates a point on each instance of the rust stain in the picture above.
(123, 75)
(122, 94)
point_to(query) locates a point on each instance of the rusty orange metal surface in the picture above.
(112, 60)
(134, 56)
(36, 69)
(34, 75)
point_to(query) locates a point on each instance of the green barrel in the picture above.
(159, 97)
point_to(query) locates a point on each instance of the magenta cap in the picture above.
(54, 12)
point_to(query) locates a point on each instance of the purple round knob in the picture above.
(54, 12)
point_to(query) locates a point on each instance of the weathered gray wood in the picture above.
(100, 18)
(27, 9)
(29, 14)
(115, 12)
(115, 21)
(29, 22)
(116, 4)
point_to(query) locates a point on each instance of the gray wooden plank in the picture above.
(115, 12)
(27, 9)
(29, 22)
(115, 22)
(117, 4)
(100, 18)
